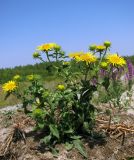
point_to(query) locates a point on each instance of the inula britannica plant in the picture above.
(66, 113)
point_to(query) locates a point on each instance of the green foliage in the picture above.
(112, 93)
(78, 145)
(45, 70)
(130, 158)
(131, 58)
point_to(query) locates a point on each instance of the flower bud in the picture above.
(36, 55)
(61, 87)
(16, 77)
(104, 65)
(33, 77)
(92, 47)
(107, 44)
(45, 94)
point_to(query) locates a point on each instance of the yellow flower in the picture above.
(88, 58)
(81, 56)
(66, 63)
(55, 46)
(44, 47)
(115, 59)
(61, 87)
(104, 64)
(48, 47)
(17, 77)
(100, 48)
(75, 55)
(9, 86)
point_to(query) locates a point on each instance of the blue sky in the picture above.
(73, 24)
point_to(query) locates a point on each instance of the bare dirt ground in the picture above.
(113, 139)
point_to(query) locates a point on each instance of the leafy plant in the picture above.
(66, 114)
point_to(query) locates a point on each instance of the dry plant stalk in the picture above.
(115, 130)
(16, 134)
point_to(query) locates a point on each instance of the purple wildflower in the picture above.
(130, 73)
(94, 81)
(103, 72)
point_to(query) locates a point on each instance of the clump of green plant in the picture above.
(113, 93)
(66, 114)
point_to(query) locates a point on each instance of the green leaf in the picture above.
(54, 151)
(68, 146)
(46, 139)
(54, 130)
(86, 127)
(106, 82)
(79, 146)
(41, 125)
(75, 137)
(69, 131)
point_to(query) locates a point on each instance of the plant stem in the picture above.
(48, 56)
(109, 122)
(101, 57)
(56, 57)
(86, 74)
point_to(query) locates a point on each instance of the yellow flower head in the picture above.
(48, 47)
(115, 60)
(88, 58)
(75, 55)
(66, 63)
(10, 86)
(55, 46)
(104, 64)
(100, 48)
(61, 87)
(17, 77)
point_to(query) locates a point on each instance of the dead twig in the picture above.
(115, 130)
(109, 122)
(6, 147)
(113, 127)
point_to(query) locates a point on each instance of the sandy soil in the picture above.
(110, 146)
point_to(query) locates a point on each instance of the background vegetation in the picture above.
(45, 70)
